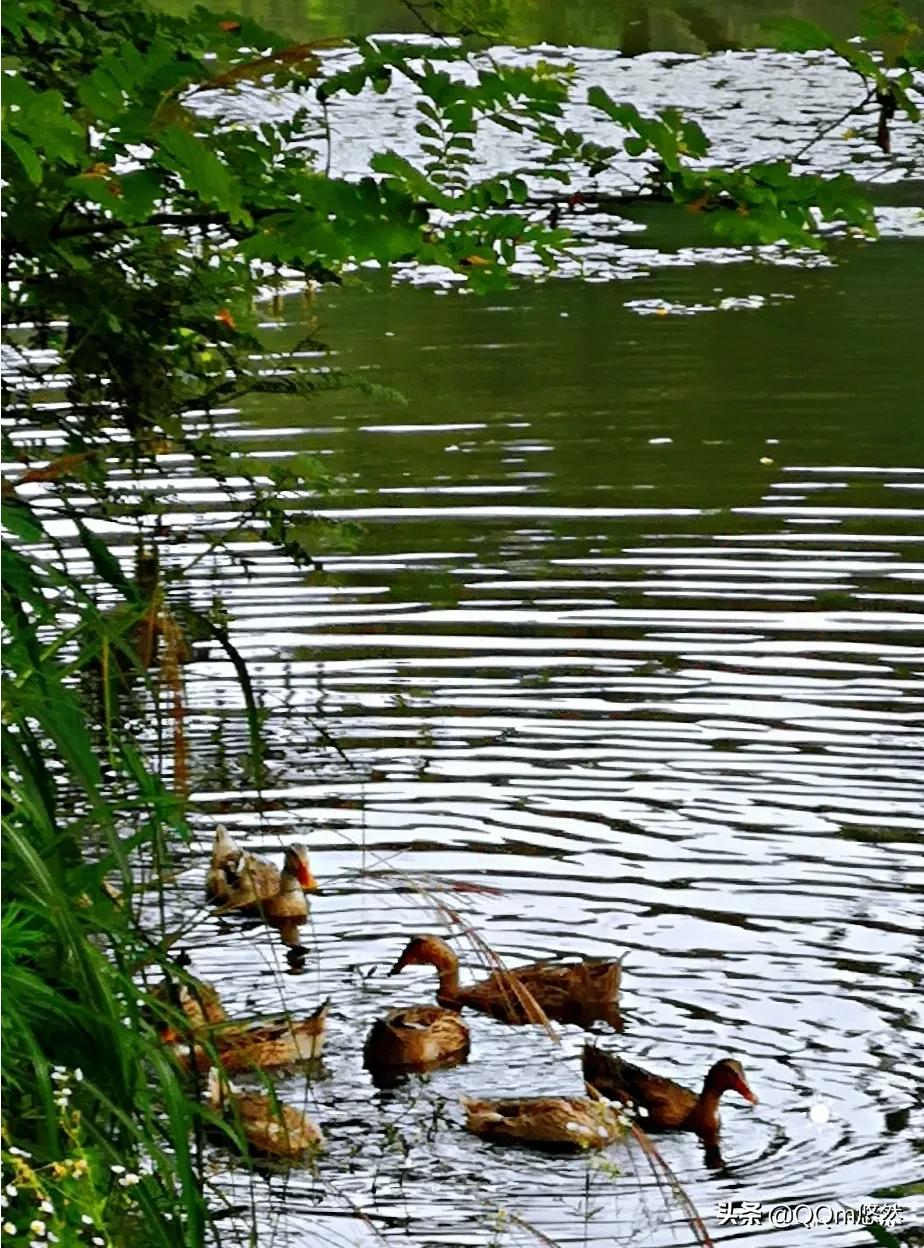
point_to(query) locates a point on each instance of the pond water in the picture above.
(631, 636)
(626, 657)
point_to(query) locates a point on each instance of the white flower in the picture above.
(11, 1189)
(18, 1152)
(86, 1219)
(129, 1180)
(58, 1074)
(37, 1227)
(10, 1228)
(117, 1169)
(98, 1239)
(46, 1206)
(78, 1075)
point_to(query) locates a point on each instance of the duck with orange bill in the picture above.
(251, 883)
(663, 1105)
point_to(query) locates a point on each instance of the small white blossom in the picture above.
(86, 1219)
(37, 1227)
(11, 1189)
(580, 1128)
(10, 1228)
(98, 1239)
(18, 1152)
(78, 1075)
(117, 1169)
(46, 1206)
(129, 1180)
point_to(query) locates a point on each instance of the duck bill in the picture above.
(305, 878)
(743, 1088)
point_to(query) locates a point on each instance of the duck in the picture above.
(556, 1122)
(198, 1000)
(254, 882)
(269, 1126)
(226, 856)
(664, 1105)
(416, 1037)
(261, 1045)
(289, 908)
(578, 993)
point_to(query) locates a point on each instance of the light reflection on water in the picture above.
(683, 722)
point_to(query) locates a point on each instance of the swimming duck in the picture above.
(419, 1037)
(255, 1046)
(199, 1001)
(289, 908)
(666, 1106)
(268, 1125)
(578, 993)
(546, 1121)
(226, 856)
(254, 882)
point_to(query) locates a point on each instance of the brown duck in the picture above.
(199, 1001)
(269, 1126)
(416, 1037)
(256, 887)
(254, 1046)
(223, 866)
(288, 910)
(580, 993)
(556, 1122)
(662, 1104)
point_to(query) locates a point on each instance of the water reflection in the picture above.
(667, 701)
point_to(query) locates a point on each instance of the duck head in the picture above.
(424, 951)
(296, 863)
(728, 1076)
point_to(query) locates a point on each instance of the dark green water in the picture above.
(632, 635)
(635, 26)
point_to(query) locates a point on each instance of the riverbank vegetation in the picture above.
(145, 235)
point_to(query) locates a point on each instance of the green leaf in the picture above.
(26, 156)
(795, 34)
(105, 563)
(882, 1236)
(201, 171)
(19, 518)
